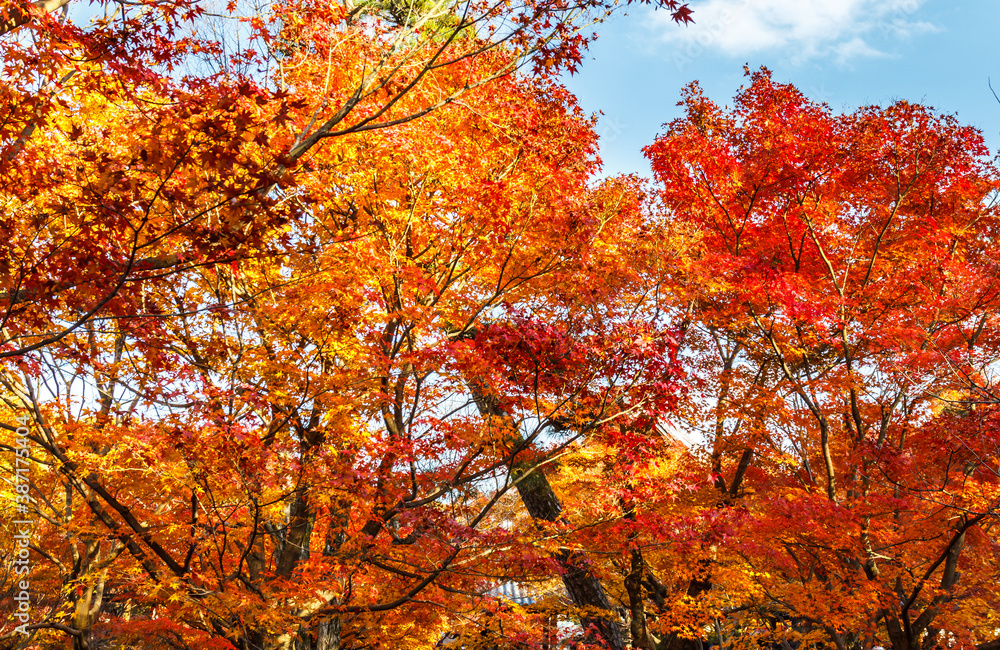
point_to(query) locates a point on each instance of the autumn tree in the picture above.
(133, 165)
(842, 293)
(289, 449)
(130, 176)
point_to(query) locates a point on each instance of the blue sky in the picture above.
(844, 52)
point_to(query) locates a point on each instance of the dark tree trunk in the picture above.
(584, 588)
(541, 502)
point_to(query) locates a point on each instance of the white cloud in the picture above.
(804, 29)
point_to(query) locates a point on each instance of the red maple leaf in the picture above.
(681, 14)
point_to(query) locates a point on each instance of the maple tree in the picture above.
(324, 346)
(133, 192)
(205, 311)
(841, 293)
(266, 452)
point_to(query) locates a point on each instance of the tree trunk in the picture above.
(541, 502)
(636, 603)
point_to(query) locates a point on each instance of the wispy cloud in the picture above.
(841, 30)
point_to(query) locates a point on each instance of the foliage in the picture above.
(842, 300)
(247, 359)
(324, 330)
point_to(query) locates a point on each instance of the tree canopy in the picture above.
(321, 330)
